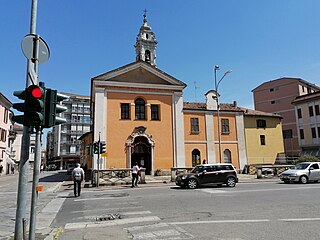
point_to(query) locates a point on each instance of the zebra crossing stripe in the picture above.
(111, 223)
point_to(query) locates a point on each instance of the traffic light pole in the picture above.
(98, 162)
(20, 223)
(34, 198)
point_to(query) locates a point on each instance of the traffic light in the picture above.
(53, 108)
(33, 106)
(103, 148)
(96, 147)
(19, 106)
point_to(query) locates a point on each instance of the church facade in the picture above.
(138, 110)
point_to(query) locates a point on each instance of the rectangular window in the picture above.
(273, 102)
(261, 123)
(3, 135)
(271, 89)
(287, 133)
(225, 126)
(6, 115)
(313, 132)
(299, 113)
(316, 108)
(194, 125)
(310, 111)
(155, 112)
(262, 139)
(318, 131)
(301, 134)
(125, 110)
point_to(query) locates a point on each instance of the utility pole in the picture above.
(20, 221)
(98, 162)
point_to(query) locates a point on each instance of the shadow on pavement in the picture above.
(57, 177)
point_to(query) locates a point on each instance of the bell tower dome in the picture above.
(146, 43)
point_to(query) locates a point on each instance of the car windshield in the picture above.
(197, 169)
(301, 166)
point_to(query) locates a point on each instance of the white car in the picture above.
(303, 172)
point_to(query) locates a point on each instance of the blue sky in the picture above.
(258, 40)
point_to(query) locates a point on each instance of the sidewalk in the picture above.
(166, 180)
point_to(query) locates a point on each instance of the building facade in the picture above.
(308, 122)
(5, 124)
(63, 145)
(263, 137)
(138, 110)
(276, 96)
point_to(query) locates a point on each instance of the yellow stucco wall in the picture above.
(263, 154)
(118, 130)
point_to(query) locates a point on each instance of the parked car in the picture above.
(70, 168)
(303, 172)
(204, 174)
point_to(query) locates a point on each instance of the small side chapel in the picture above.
(138, 110)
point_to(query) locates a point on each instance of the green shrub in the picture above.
(307, 158)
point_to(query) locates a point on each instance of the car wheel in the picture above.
(231, 182)
(303, 179)
(192, 183)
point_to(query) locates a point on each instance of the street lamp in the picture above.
(216, 85)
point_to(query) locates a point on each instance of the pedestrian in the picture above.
(1, 169)
(12, 169)
(77, 177)
(41, 168)
(204, 161)
(135, 177)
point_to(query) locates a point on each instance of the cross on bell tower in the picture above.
(146, 43)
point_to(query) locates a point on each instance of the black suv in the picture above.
(217, 174)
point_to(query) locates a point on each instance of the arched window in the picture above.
(227, 156)
(147, 56)
(140, 109)
(195, 157)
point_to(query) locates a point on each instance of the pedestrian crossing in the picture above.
(127, 213)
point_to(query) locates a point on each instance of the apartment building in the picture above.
(63, 145)
(276, 96)
(307, 111)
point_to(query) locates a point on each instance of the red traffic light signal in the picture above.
(35, 106)
(36, 91)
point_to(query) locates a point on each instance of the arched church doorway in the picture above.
(141, 153)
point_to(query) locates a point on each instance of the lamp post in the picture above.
(216, 85)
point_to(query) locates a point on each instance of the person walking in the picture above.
(135, 177)
(77, 177)
(1, 169)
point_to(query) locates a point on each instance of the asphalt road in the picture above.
(262, 210)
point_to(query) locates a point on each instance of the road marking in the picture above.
(221, 221)
(208, 190)
(111, 223)
(298, 219)
(212, 190)
(107, 209)
(106, 198)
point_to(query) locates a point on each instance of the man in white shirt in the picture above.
(77, 177)
(135, 177)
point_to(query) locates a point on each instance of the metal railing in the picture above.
(115, 176)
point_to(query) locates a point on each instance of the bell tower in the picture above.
(146, 43)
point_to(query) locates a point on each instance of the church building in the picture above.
(139, 111)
